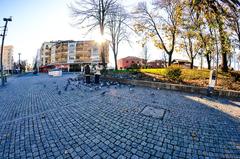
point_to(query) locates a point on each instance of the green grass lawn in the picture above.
(188, 76)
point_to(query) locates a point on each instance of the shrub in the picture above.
(174, 73)
(235, 75)
(134, 66)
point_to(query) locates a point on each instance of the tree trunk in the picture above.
(103, 46)
(103, 56)
(223, 41)
(192, 60)
(169, 59)
(115, 59)
(224, 62)
(208, 61)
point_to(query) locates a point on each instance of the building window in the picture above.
(126, 61)
(132, 61)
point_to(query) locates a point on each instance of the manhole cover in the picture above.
(153, 112)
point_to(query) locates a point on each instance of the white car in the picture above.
(55, 72)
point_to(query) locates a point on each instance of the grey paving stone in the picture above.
(38, 122)
(121, 157)
(153, 112)
(134, 157)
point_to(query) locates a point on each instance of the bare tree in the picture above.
(117, 27)
(190, 33)
(162, 28)
(191, 47)
(93, 14)
(234, 24)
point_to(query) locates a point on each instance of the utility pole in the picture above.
(3, 37)
(19, 63)
(19, 54)
(146, 55)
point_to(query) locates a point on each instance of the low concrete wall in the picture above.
(176, 87)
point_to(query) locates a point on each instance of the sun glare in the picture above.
(100, 39)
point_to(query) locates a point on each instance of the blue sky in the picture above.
(36, 21)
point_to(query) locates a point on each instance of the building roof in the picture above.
(7, 47)
(180, 61)
(130, 58)
(156, 61)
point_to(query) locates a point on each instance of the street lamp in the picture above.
(19, 54)
(19, 64)
(3, 37)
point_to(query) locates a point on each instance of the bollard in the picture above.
(4, 78)
(210, 91)
(212, 82)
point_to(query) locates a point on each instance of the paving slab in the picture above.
(153, 112)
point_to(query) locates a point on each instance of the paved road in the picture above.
(39, 119)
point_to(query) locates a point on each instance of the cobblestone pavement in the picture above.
(41, 118)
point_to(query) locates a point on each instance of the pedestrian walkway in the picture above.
(47, 117)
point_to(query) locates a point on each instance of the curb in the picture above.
(176, 87)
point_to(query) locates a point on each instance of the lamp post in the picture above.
(3, 37)
(19, 54)
(19, 62)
